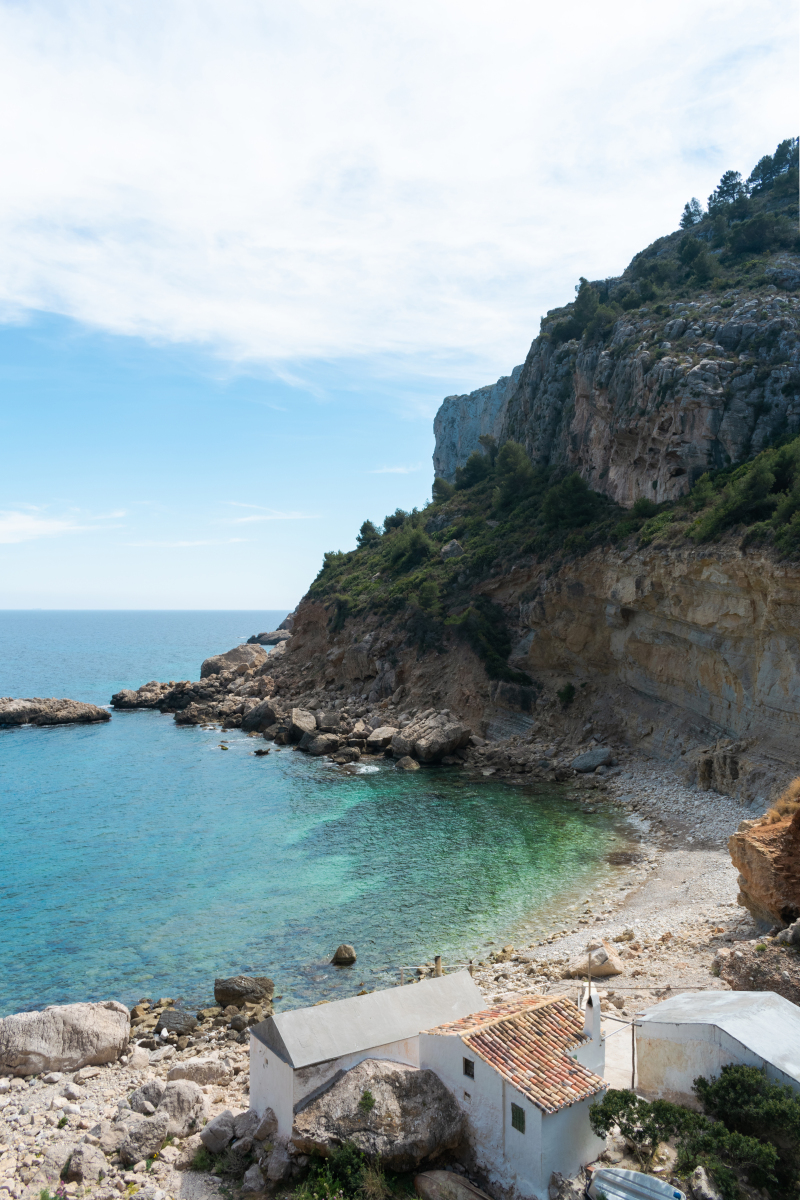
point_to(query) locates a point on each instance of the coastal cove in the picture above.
(144, 859)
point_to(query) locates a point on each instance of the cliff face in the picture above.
(666, 398)
(766, 857)
(462, 420)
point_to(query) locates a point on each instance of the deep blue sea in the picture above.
(141, 859)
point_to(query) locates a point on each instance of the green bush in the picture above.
(515, 474)
(442, 490)
(408, 548)
(475, 469)
(566, 695)
(368, 535)
(483, 625)
(570, 504)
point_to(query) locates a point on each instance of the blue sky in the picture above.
(248, 247)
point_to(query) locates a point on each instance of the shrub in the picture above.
(475, 470)
(644, 507)
(367, 1102)
(368, 535)
(395, 520)
(442, 490)
(570, 504)
(515, 473)
(566, 695)
(409, 547)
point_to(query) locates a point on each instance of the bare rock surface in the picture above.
(245, 656)
(243, 989)
(63, 1037)
(414, 1116)
(184, 1103)
(143, 1137)
(430, 737)
(38, 711)
(767, 857)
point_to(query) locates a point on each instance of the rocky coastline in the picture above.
(37, 711)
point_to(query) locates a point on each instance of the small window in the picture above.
(517, 1118)
(467, 1096)
(469, 1068)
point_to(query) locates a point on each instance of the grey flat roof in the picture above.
(304, 1036)
(764, 1022)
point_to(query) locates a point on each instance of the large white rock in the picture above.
(185, 1104)
(203, 1071)
(63, 1037)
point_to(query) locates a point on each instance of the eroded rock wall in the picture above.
(768, 860)
(636, 421)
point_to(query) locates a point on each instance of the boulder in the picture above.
(344, 956)
(216, 1135)
(261, 718)
(347, 754)
(36, 711)
(185, 1105)
(599, 756)
(452, 549)
(267, 1127)
(446, 1185)
(604, 962)
(413, 1115)
(109, 1136)
(87, 1164)
(329, 722)
(701, 1186)
(243, 989)
(279, 1165)
(768, 860)
(56, 1157)
(248, 656)
(187, 1151)
(407, 763)
(300, 722)
(380, 738)
(63, 1038)
(253, 1180)
(430, 737)
(245, 1124)
(149, 1094)
(203, 1071)
(323, 743)
(143, 1137)
(176, 1022)
(562, 1187)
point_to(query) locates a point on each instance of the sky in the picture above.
(248, 247)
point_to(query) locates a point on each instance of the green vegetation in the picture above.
(566, 695)
(749, 1130)
(722, 248)
(231, 1163)
(348, 1175)
(367, 1102)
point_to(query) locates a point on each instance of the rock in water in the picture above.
(63, 1038)
(344, 956)
(379, 739)
(430, 737)
(260, 718)
(413, 1115)
(407, 763)
(243, 989)
(446, 1185)
(248, 656)
(302, 722)
(36, 711)
(600, 756)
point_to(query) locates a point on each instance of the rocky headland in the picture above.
(36, 711)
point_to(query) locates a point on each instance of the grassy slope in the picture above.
(505, 513)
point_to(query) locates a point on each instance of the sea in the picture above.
(140, 859)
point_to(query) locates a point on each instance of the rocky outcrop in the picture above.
(634, 421)
(63, 1037)
(767, 857)
(430, 737)
(462, 420)
(246, 656)
(269, 639)
(36, 711)
(761, 967)
(390, 1111)
(243, 989)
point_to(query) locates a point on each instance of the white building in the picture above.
(295, 1055)
(525, 1074)
(698, 1033)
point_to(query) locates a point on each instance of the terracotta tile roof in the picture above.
(528, 1042)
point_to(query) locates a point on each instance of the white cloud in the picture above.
(396, 470)
(27, 526)
(332, 178)
(272, 516)
(181, 545)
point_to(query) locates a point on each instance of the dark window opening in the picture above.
(517, 1118)
(469, 1068)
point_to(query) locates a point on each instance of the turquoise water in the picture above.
(141, 859)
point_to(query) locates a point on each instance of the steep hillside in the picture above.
(685, 363)
(615, 557)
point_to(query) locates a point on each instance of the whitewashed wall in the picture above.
(669, 1057)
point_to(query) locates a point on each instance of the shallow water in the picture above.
(142, 859)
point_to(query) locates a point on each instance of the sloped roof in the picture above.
(304, 1036)
(764, 1022)
(528, 1041)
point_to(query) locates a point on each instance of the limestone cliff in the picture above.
(462, 420)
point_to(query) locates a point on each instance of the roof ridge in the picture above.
(536, 1004)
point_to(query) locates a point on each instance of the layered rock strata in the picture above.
(767, 857)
